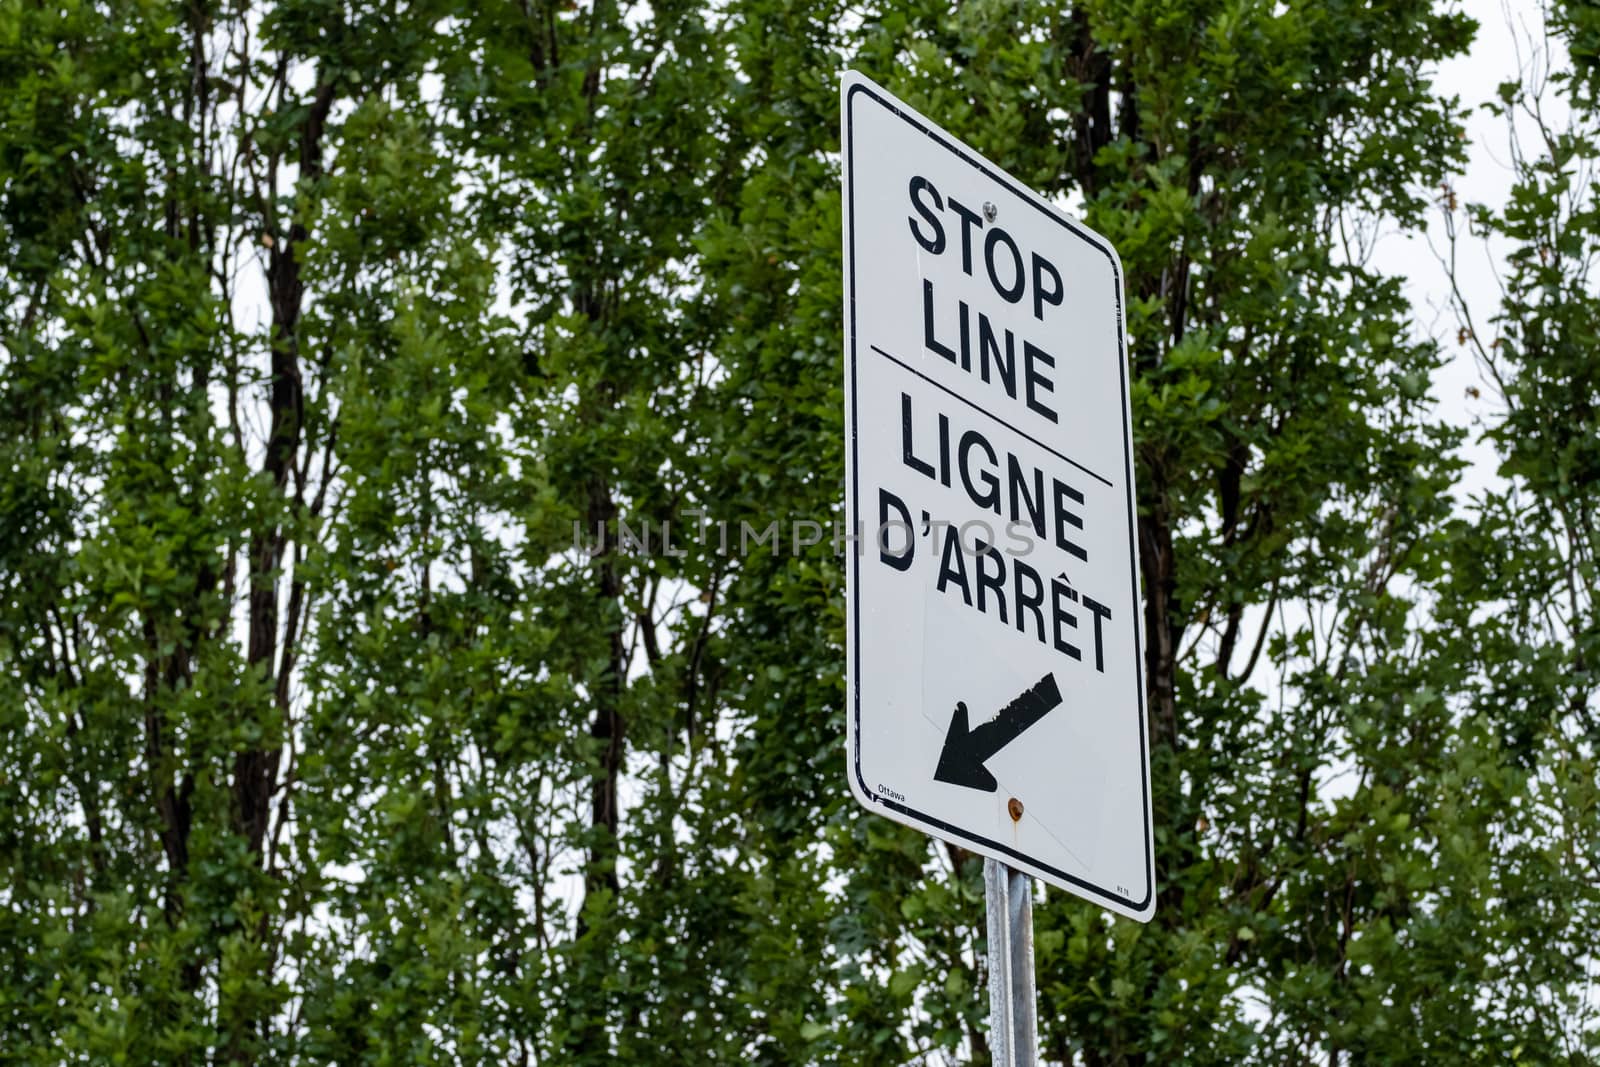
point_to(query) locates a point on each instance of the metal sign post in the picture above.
(1008, 894)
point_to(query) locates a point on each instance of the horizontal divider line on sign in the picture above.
(1023, 433)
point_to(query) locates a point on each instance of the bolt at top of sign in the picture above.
(996, 697)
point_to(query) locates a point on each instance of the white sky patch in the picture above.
(1510, 45)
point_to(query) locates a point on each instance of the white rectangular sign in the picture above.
(996, 695)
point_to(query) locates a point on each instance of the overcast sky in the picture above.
(1509, 45)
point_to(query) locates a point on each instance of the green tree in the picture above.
(1522, 594)
(355, 711)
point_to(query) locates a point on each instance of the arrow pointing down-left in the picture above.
(966, 748)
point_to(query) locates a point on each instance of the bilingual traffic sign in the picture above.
(996, 697)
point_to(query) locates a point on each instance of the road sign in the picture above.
(995, 658)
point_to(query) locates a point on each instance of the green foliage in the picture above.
(1523, 566)
(325, 329)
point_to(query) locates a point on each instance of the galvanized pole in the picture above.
(1009, 896)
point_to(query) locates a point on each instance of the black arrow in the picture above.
(961, 760)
